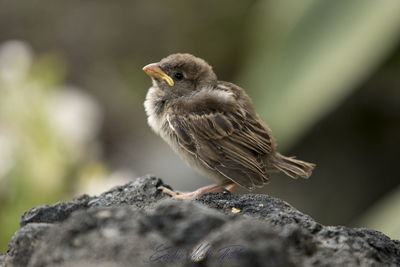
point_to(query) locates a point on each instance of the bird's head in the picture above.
(181, 74)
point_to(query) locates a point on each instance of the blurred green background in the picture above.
(325, 75)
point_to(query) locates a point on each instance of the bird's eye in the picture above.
(179, 76)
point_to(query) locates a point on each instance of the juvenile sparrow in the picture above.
(212, 125)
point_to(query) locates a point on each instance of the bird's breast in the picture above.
(154, 107)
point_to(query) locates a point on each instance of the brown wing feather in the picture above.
(233, 143)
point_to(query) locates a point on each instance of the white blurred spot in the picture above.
(76, 116)
(15, 60)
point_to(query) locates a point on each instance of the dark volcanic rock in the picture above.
(24, 241)
(140, 193)
(55, 213)
(137, 225)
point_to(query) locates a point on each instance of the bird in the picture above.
(213, 126)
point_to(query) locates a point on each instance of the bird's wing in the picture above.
(232, 142)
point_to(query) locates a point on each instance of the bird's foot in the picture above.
(168, 191)
(178, 194)
(206, 189)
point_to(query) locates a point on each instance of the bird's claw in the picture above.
(178, 195)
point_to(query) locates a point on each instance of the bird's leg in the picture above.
(230, 188)
(206, 189)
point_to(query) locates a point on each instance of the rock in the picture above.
(137, 225)
(140, 193)
(24, 241)
(55, 213)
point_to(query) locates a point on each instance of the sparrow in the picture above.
(213, 126)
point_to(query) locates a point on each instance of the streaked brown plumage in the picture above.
(212, 125)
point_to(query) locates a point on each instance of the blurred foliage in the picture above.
(308, 58)
(44, 151)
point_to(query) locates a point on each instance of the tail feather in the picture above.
(293, 167)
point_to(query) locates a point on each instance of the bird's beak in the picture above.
(154, 71)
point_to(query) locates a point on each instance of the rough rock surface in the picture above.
(137, 225)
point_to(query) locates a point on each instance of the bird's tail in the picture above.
(293, 167)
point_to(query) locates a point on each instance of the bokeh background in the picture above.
(324, 74)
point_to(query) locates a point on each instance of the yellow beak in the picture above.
(154, 71)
